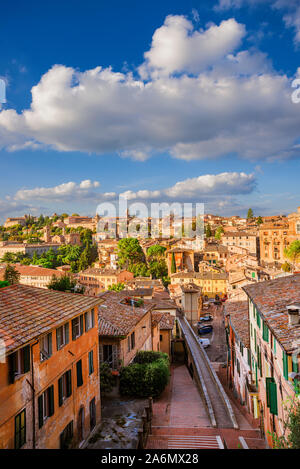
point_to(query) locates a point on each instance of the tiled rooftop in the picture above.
(115, 318)
(27, 312)
(167, 322)
(34, 271)
(271, 299)
(238, 311)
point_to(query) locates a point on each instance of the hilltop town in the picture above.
(218, 312)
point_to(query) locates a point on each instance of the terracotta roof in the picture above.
(140, 292)
(28, 312)
(239, 319)
(156, 318)
(271, 298)
(167, 322)
(35, 271)
(115, 318)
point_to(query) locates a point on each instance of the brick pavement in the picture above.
(180, 413)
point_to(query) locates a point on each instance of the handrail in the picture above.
(205, 392)
(216, 379)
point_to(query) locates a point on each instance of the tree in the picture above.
(130, 252)
(293, 252)
(259, 220)
(65, 283)
(250, 214)
(11, 275)
(156, 251)
(139, 269)
(219, 232)
(117, 286)
(286, 267)
(173, 264)
(291, 424)
(158, 268)
(208, 232)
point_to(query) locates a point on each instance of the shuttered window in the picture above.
(271, 390)
(258, 319)
(20, 429)
(77, 327)
(79, 373)
(18, 363)
(91, 362)
(46, 405)
(46, 347)
(285, 365)
(62, 336)
(64, 387)
(265, 332)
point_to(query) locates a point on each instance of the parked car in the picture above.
(204, 342)
(205, 329)
(207, 317)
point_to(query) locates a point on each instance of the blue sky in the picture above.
(208, 106)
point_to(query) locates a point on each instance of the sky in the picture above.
(157, 102)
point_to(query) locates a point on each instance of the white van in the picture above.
(204, 342)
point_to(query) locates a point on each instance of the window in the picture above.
(20, 429)
(265, 332)
(46, 405)
(285, 365)
(91, 362)
(160, 338)
(79, 373)
(66, 436)
(92, 413)
(132, 337)
(77, 327)
(46, 347)
(89, 320)
(271, 390)
(62, 336)
(64, 387)
(19, 363)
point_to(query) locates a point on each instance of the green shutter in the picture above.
(268, 380)
(91, 362)
(51, 400)
(93, 317)
(81, 324)
(273, 397)
(265, 332)
(85, 321)
(26, 357)
(258, 319)
(285, 366)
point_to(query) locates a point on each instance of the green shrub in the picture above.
(148, 376)
(106, 379)
(149, 356)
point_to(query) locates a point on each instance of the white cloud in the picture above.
(65, 191)
(176, 47)
(208, 185)
(204, 99)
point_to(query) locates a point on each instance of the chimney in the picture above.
(294, 314)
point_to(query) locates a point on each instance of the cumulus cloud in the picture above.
(65, 191)
(176, 47)
(198, 96)
(208, 185)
